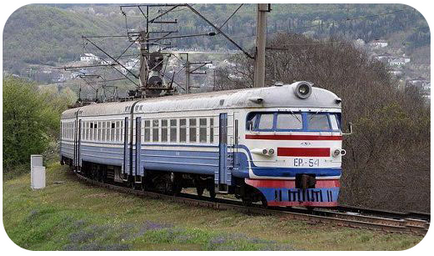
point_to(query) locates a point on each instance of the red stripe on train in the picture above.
(326, 183)
(291, 137)
(314, 152)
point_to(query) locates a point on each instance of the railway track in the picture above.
(354, 217)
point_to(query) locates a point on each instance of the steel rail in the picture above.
(403, 225)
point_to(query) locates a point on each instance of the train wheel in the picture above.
(212, 194)
(199, 190)
(247, 201)
(211, 190)
(264, 202)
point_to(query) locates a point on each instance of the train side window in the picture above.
(202, 130)
(103, 135)
(182, 130)
(122, 132)
(173, 130)
(289, 121)
(333, 122)
(112, 131)
(211, 130)
(107, 131)
(155, 130)
(266, 121)
(90, 130)
(117, 129)
(95, 130)
(192, 128)
(164, 130)
(83, 130)
(107, 126)
(318, 122)
(99, 131)
(147, 128)
(251, 121)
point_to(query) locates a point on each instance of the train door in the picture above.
(137, 149)
(77, 142)
(126, 165)
(222, 177)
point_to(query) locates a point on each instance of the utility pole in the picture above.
(213, 80)
(187, 76)
(261, 33)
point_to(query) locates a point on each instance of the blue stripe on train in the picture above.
(291, 172)
(180, 161)
(199, 162)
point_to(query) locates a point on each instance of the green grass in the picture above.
(72, 215)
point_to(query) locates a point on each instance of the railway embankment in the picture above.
(72, 215)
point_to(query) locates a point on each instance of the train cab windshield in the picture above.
(293, 121)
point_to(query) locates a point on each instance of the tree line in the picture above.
(31, 121)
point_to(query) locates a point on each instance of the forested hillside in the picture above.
(37, 34)
(50, 34)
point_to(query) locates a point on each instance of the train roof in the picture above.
(266, 97)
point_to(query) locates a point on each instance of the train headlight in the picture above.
(336, 153)
(343, 152)
(303, 90)
(263, 151)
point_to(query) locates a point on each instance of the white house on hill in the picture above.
(89, 57)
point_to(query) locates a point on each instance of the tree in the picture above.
(389, 151)
(30, 121)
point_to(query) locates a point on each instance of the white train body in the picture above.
(282, 146)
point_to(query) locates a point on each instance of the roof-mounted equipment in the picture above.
(303, 90)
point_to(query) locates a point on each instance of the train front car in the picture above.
(293, 146)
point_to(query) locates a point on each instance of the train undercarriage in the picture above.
(170, 183)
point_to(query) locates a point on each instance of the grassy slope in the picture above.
(76, 216)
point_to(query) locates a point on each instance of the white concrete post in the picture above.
(37, 172)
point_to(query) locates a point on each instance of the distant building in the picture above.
(89, 57)
(210, 66)
(228, 63)
(359, 43)
(397, 73)
(385, 57)
(397, 62)
(422, 84)
(378, 44)
(132, 64)
(106, 62)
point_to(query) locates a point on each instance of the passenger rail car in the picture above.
(279, 145)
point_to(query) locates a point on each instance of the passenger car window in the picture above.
(193, 130)
(164, 130)
(202, 130)
(173, 129)
(289, 122)
(147, 128)
(211, 130)
(182, 130)
(318, 122)
(155, 129)
(266, 122)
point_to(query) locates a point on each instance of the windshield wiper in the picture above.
(294, 115)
